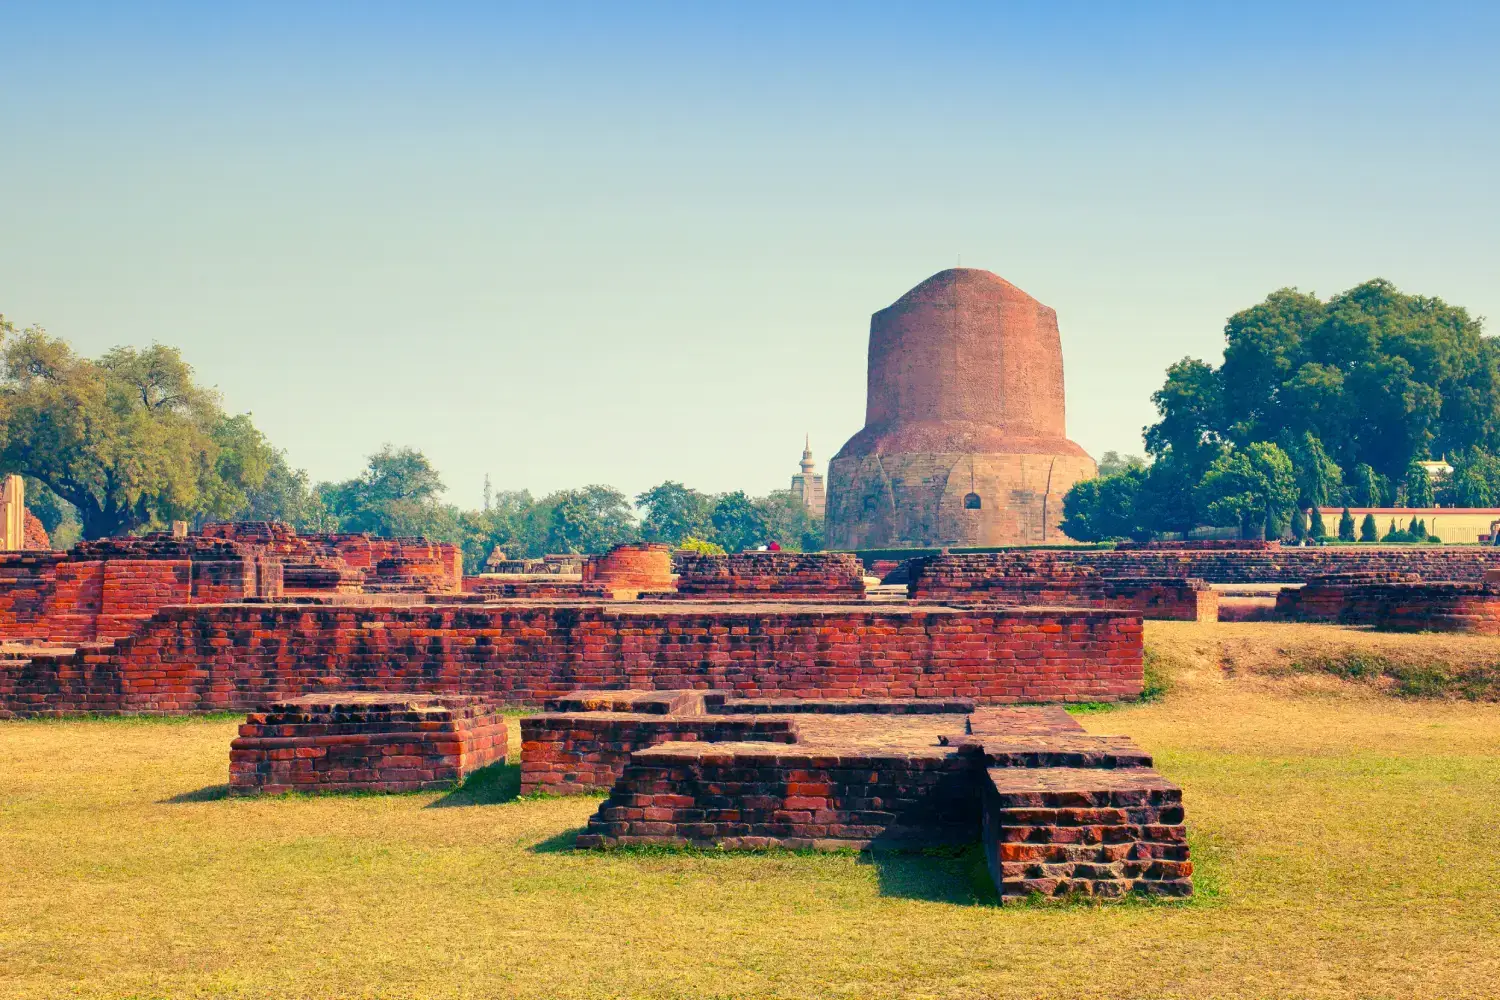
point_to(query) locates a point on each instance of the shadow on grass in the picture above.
(938, 875)
(211, 793)
(558, 843)
(485, 787)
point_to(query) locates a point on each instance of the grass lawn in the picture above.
(1345, 841)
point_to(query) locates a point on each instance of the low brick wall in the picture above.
(539, 589)
(1427, 607)
(1084, 831)
(346, 741)
(240, 656)
(759, 575)
(752, 796)
(1272, 563)
(964, 578)
(1326, 598)
(569, 754)
(107, 589)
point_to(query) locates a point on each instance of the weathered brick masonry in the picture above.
(1043, 579)
(1327, 598)
(364, 742)
(1290, 564)
(779, 575)
(241, 656)
(1059, 811)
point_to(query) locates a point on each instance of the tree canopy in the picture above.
(1344, 396)
(128, 440)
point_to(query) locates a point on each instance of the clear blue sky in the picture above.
(567, 243)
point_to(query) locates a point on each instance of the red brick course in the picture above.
(626, 570)
(345, 741)
(1057, 831)
(779, 575)
(1267, 563)
(1059, 812)
(1042, 579)
(239, 656)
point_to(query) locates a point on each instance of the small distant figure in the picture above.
(774, 547)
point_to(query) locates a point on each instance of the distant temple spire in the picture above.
(807, 484)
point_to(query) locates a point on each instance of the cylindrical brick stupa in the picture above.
(964, 440)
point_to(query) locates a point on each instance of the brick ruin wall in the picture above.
(707, 795)
(352, 743)
(1041, 579)
(106, 588)
(1268, 563)
(241, 656)
(572, 754)
(101, 592)
(770, 575)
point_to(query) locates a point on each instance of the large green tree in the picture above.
(738, 523)
(674, 512)
(129, 440)
(1252, 487)
(589, 520)
(1097, 510)
(1377, 376)
(396, 495)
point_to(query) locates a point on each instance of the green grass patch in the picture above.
(1428, 679)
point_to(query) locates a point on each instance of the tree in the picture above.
(1377, 376)
(1476, 479)
(1418, 486)
(1107, 507)
(1191, 408)
(674, 512)
(503, 523)
(1113, 463)
(1367, 488)
(1317, 531)
(738, 524)
(396, 496)
(286, 495)
(788, 522)
(1319, 479)
(1346, 525)
(591, 520)
(129, 440)
(1248, 486)
(1368, 532)
(1299, 523)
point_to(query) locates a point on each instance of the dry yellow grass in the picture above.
(1347, 842)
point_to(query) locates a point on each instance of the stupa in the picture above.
(964, 442)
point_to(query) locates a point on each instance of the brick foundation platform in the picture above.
(349, 741)
(1060, 812)
(770, 575)
(1268, 562)
(241, 656)
(1328, 598)
(1040, 579)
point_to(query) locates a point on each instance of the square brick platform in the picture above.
(1059, 811)
(355, 741)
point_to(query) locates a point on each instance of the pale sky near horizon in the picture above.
(573, 244)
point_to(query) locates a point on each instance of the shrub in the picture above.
(1346, 526)
(1367, 530)
(1299, 524)
(701, 547)
(1317, 531)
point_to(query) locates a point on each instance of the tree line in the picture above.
(129, 442)
(1316, 404)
